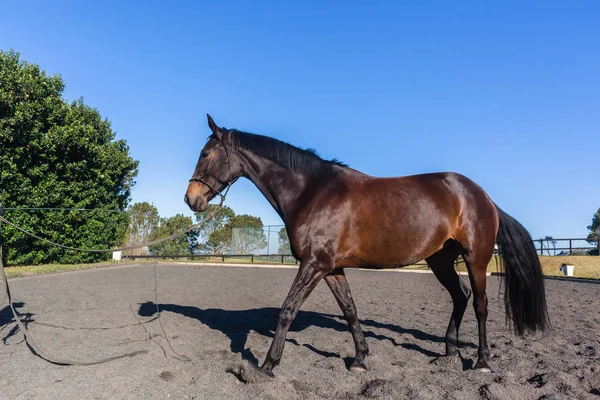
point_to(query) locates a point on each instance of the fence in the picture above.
(257, 240)
(222, 258)
(567, 247)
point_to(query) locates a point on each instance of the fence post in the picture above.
(570, 247)
(252, 258)
(268, 239)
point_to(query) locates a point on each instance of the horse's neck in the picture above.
(280, 186)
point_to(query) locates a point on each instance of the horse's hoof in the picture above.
(482, 366)
(254, 375)
(270, 374)
(358, 368)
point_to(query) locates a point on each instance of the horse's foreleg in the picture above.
(338, 284)
(306, 280)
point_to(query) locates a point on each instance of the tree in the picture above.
(247, 234)
(284, 242)
(549, 240)
(217, 233)
(55, 154)
(215, 223)
(219, 241)
(184, 244)
(594, 229)
(250, 238)
(143, 220)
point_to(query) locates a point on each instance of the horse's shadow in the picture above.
(6, 318)
(237, 325)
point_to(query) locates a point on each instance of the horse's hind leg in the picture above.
(442, 265)
(477, 262)
(341, 290)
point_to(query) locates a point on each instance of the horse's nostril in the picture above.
(186, 199)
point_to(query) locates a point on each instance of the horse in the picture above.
(337, 217)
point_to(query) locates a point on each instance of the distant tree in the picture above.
(284, 242)
(219, 241)
(143, 220)
(218, 220)
(58, 154)
(182, 245)
(594, 229)
(249, 234)
(250, 238)
(550, 241)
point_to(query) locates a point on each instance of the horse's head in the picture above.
(214, 171)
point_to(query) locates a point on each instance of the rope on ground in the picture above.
(181, 357)
(33, 343)
(61, 361)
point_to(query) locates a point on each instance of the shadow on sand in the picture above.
(237, 325)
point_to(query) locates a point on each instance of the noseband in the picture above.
(211, 187)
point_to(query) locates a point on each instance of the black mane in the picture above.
(304, 161)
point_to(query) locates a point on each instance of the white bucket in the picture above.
(567, 269)
(117, 255)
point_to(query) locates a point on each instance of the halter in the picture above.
(211, 187)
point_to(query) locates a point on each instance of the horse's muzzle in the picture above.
(196, 203)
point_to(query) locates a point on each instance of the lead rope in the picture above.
(60, 361)
(33, 344)
(181, 357)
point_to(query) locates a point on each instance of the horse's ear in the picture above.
(213, 127)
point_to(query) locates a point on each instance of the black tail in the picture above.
(524, 294)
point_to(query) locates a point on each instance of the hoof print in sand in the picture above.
(538, 380)
(448, 362)
(484, 393)
(166, 375)
(376, 388)
(300, 387)
(588, 351)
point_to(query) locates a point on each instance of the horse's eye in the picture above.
(204, 154)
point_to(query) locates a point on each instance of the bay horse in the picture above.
(337, 217)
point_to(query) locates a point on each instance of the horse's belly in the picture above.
(381, 259)
(396, 225)
(362, 261)
(392, 246)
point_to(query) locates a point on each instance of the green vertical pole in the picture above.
(269, 239)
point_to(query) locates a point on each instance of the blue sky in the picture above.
(506, 93)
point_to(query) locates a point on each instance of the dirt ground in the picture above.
(223, 318)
